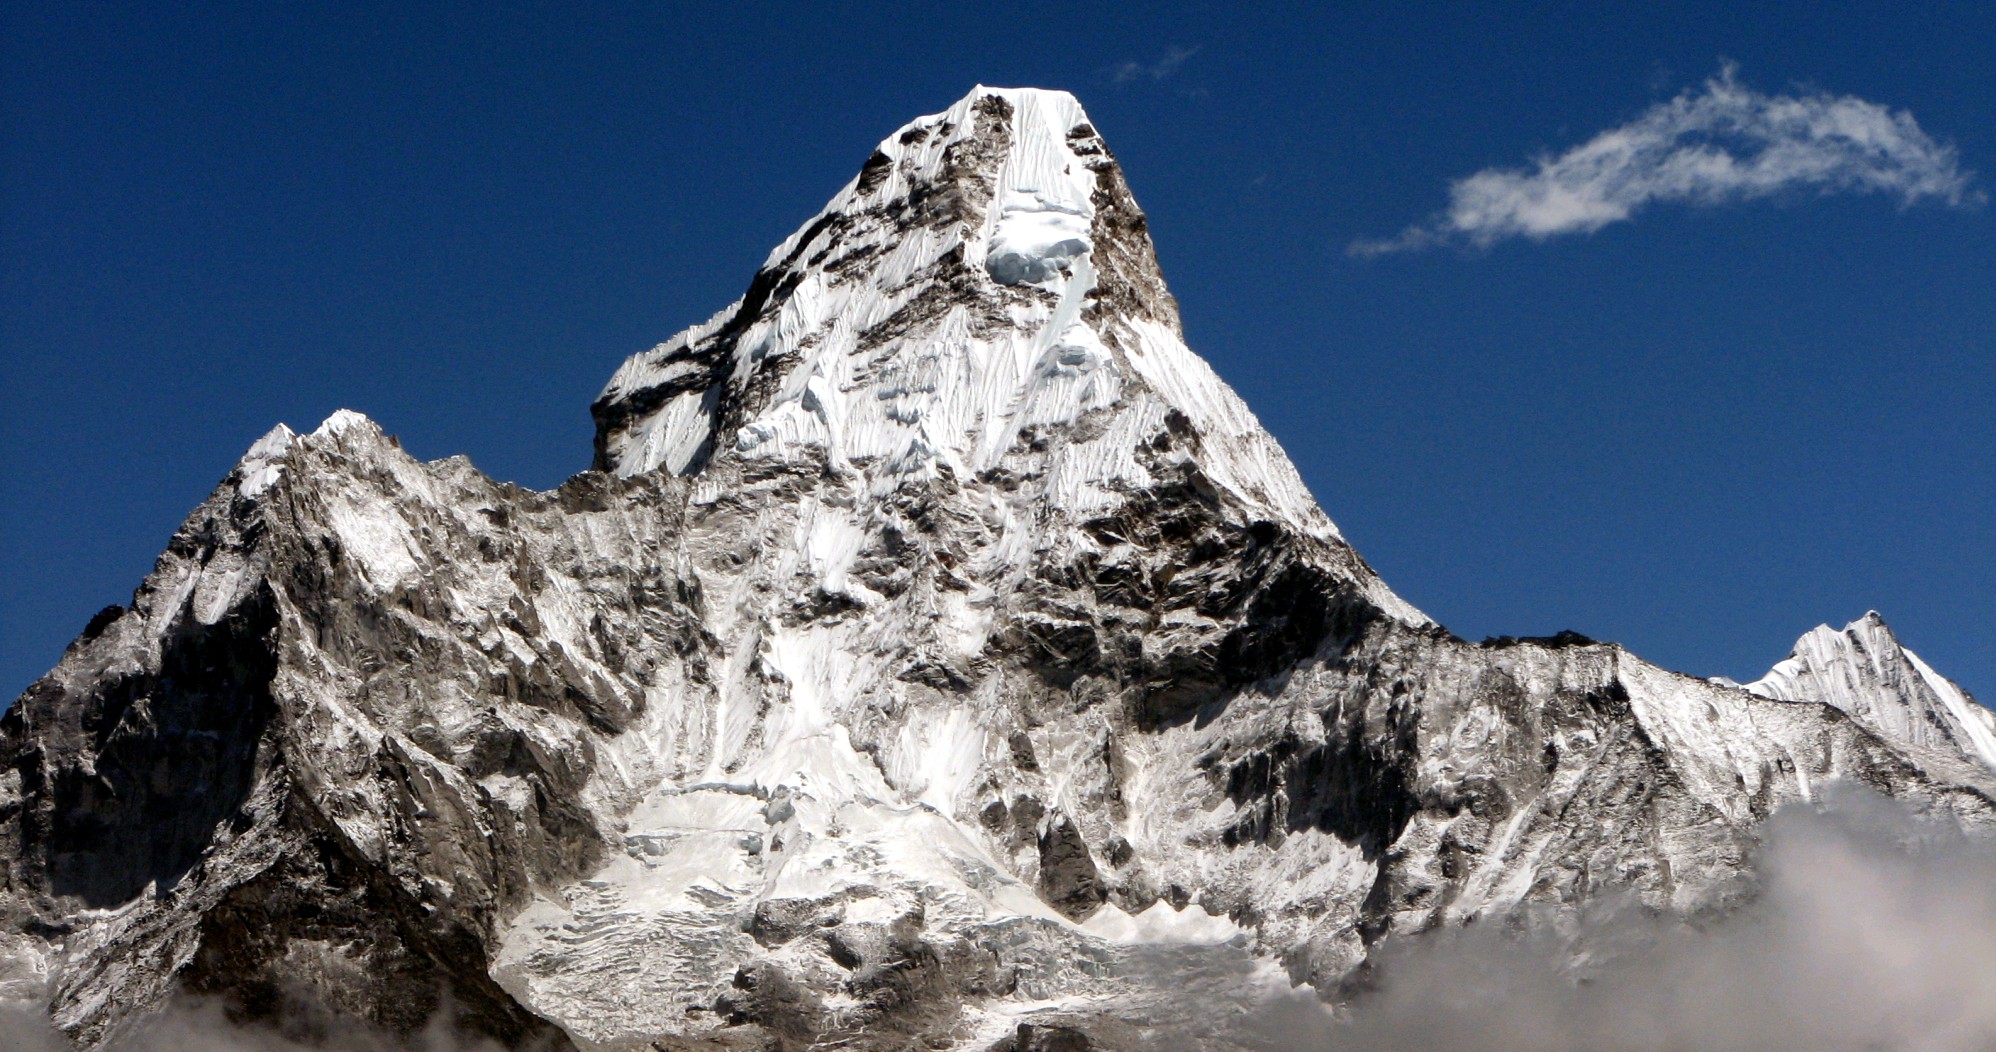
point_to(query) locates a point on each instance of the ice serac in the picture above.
(939, 655)
(1864, 671)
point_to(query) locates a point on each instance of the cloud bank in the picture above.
(1715, 144)
(1872, 931)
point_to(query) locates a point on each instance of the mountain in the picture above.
(1865, 672)
(937, 653)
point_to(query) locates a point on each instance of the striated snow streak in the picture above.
(1978, 722)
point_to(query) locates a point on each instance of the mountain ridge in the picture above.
(935, 633)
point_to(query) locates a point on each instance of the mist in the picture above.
(1871, 930)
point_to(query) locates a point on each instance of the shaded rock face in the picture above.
(932, 629)
(174, 754)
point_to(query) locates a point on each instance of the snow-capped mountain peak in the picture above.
(1866, 672)
(982, 294)
(944, 653)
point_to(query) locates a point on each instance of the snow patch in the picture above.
(263, 465)
(1163, 925)
(343, 421)
(1037, 239)
(379, 541)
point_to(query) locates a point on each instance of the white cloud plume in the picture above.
(1165, 66)
(1718, 143)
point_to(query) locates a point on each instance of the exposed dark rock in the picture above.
(1068, 877)
(1557, 641)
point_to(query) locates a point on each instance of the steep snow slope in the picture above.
(938, 648)
(1864, 671)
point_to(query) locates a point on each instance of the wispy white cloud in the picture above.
(1717, 143)
(1163, 67)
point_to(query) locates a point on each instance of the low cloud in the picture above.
(1871, 931)
(1163, 67)
(1718, 143)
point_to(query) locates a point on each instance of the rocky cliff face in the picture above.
(937, 652)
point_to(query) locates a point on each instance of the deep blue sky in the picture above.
(1698, 433)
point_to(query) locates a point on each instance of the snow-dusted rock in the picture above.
(938, 653)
